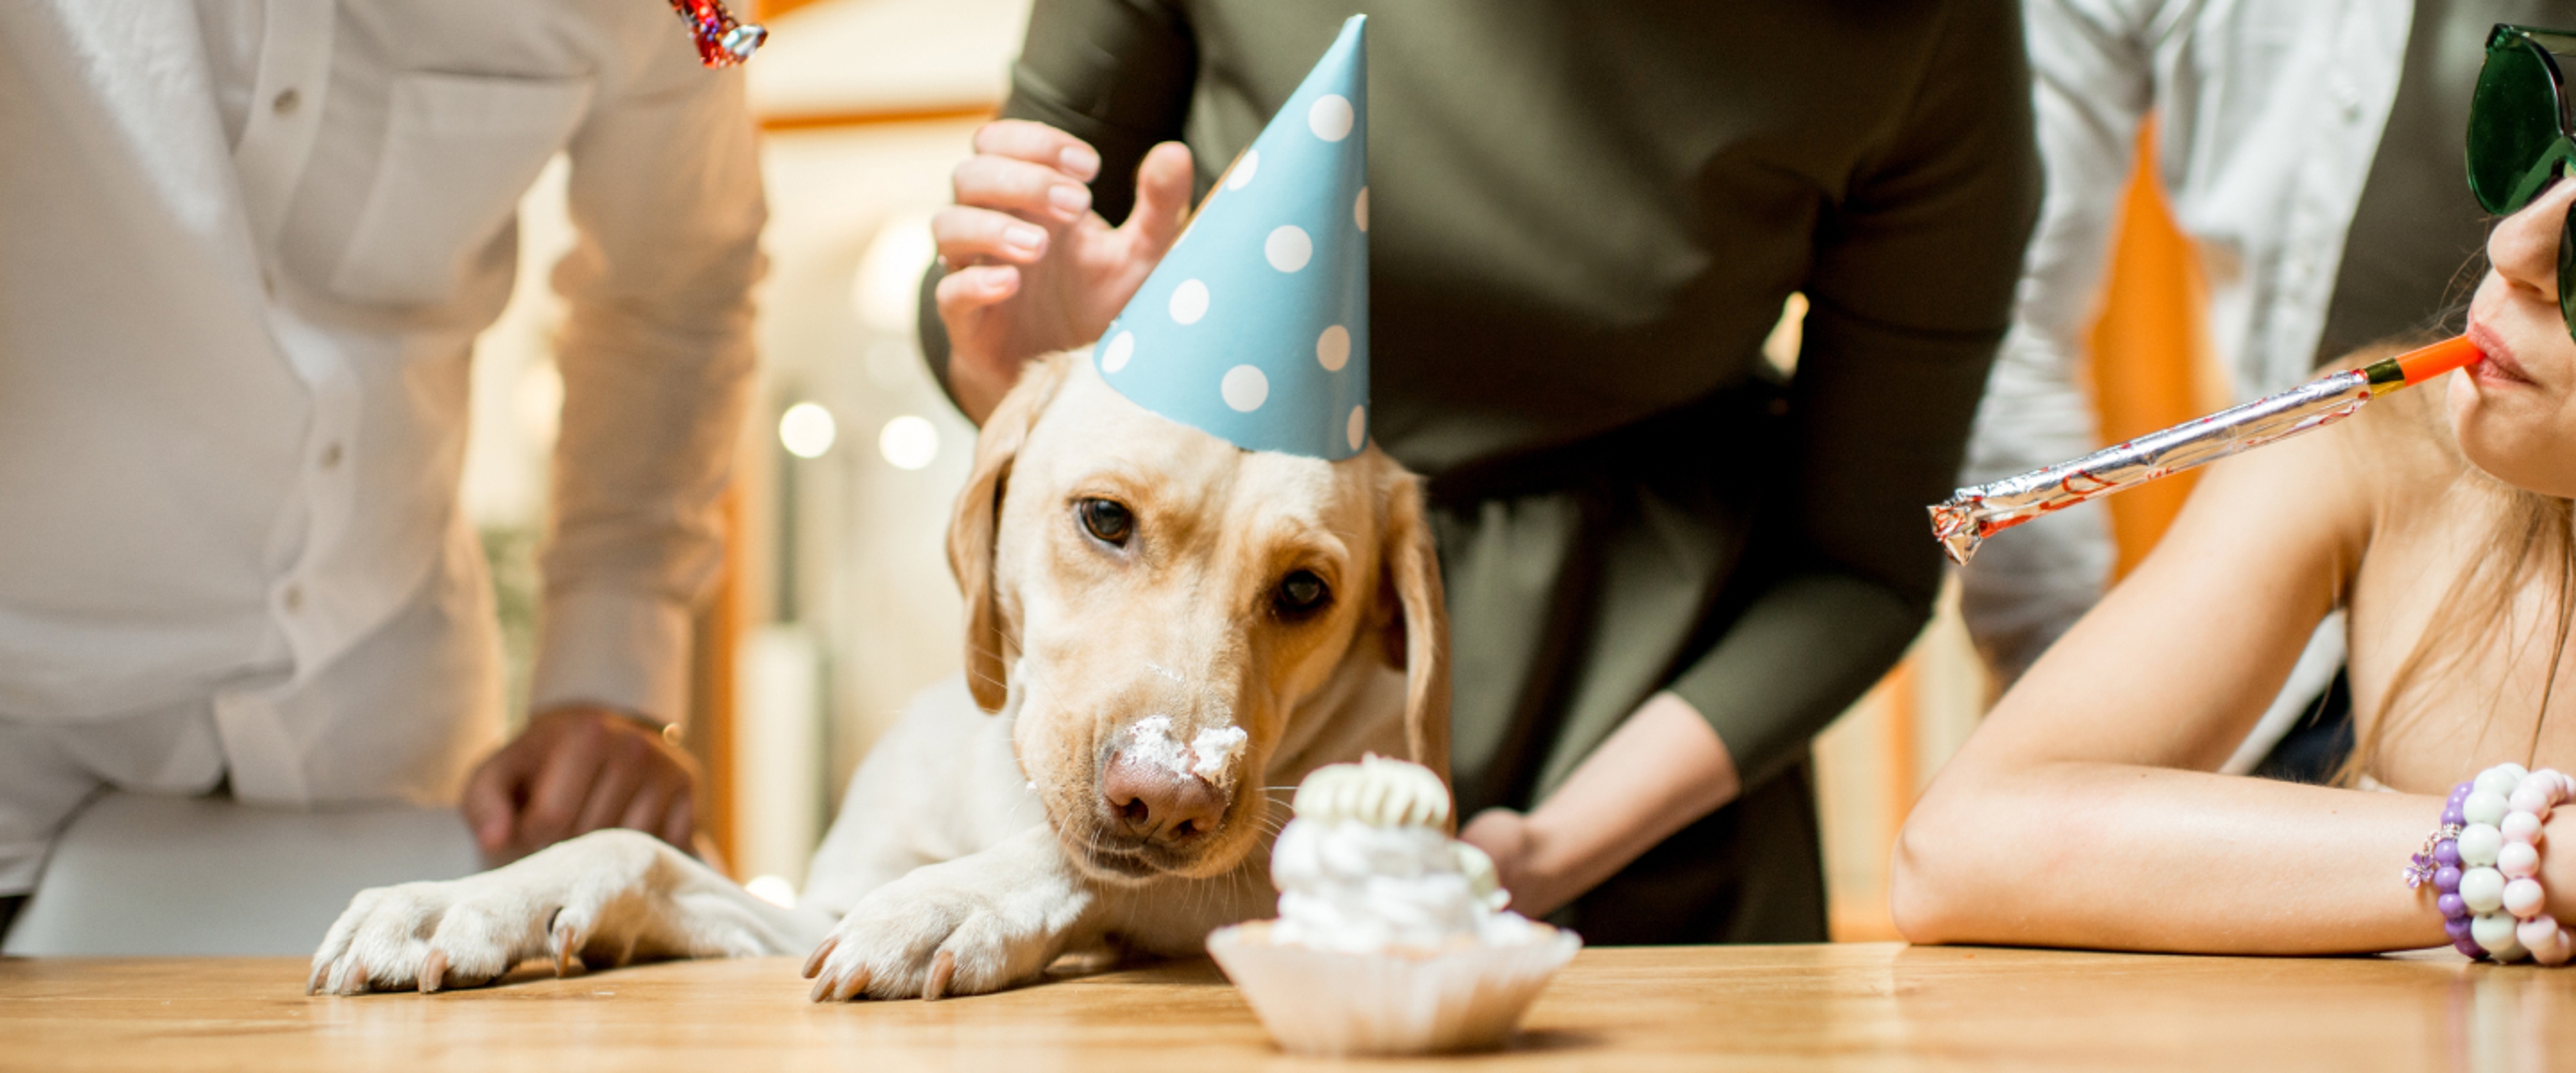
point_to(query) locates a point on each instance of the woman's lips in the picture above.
(2497, 365)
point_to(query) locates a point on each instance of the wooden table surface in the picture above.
(1863, 1006)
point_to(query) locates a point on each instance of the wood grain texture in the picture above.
(1874, 1006)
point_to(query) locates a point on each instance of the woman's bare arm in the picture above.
(1661, 771)
(2085, 811)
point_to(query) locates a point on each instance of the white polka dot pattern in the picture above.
(1333, 348)
(1245, 388)
(1330, 117)
(1288, 249)
(1189, 302)
(1255, 329)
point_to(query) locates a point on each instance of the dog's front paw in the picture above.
(574, 898)
(434, 936)
(945, 930)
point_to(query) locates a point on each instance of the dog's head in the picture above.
(1159, 603)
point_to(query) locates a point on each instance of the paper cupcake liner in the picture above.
(1331, 1003)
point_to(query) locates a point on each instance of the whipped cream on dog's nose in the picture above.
(1216, 749)
(1365, 867)
(1210, 756)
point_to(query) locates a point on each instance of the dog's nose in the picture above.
(1152, 801)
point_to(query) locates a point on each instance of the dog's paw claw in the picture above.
(943, 968)
(854, 986)
(567, 952)
(433, 972)
(841, 985)
(814, 961)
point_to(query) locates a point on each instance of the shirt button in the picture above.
(286, 102)
(331, 456)
(293, 598)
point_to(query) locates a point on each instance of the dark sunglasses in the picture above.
(2522, 136)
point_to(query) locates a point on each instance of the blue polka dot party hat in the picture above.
(1255, 326)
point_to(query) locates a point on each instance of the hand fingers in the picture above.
(561, 787)
(969, 289)
(680, 823)
(967, 235)
(626, 764)
(490, 801)
(1033, 191)
(650, 806)
(1162, 198)
(1038, 143)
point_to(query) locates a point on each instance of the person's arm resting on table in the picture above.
(657, 363)
(2087, 811)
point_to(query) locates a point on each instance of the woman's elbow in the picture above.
(1929, 879)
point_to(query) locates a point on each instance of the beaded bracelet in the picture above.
(2484, 862)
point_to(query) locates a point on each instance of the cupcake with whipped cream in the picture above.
(1392, 937)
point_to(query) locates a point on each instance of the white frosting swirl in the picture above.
(1377, 790)
(1365, 867)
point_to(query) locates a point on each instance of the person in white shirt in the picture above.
(245, 248)
(2310, 150)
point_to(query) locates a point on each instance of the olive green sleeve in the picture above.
(1114, 73)
(1909, 296)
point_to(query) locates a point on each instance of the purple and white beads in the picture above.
(2439, 864)
(2484, 864)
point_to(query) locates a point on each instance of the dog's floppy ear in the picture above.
(971, 532)
(1417, 639)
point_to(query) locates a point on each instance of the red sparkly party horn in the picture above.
(722, 41)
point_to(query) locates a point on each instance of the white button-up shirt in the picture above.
(245, 247)
(2268, 115)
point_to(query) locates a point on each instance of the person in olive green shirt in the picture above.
(1668, 564)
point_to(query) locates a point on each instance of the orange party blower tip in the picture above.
(2429, 362)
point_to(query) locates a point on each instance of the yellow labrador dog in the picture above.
(1166, 628)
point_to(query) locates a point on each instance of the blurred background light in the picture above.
(538, 398)
(775, 890)
(909, 442)
(886, 293)
(807, 430)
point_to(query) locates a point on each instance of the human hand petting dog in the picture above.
(578, 769)
(1031, 268)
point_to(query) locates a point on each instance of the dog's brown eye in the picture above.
(1107, 520)
(1300, 594)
